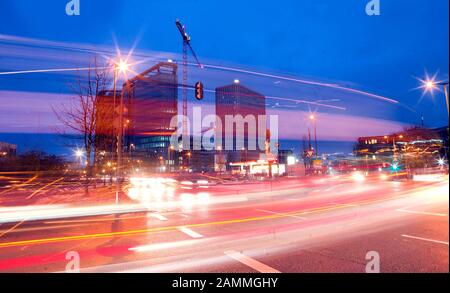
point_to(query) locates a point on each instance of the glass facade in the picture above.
(152, 102)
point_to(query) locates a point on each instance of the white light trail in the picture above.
(425, 239)
(50, 70)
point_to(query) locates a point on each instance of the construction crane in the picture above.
(186, 46)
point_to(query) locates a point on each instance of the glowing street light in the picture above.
(79, 154)
(441, 162)
(430, 84)
(122, 66)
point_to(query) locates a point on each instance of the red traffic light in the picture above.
(199, 93)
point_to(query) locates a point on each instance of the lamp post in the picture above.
(119, 67)
(169, 157)
(189, 155)
(219, 159)
(79, 155)
(314, 120)
(429, 85)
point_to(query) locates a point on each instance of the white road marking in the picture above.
(190, 232)
(250, 262)
(164, 245)
(158, 216)
(425, 239)
(422, 213)
(281, 214)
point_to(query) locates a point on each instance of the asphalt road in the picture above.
(322, 224)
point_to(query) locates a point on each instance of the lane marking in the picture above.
(250, 262)
(163, 245)
(422, 213)
(158, 216)
(190, 232)
(425, 239)
(281, 214)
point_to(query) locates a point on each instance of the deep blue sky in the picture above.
(323, 39)
(328, 39)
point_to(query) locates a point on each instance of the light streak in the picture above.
(21, 185)
(207, 224)
(50, 70)
(45, 186)
(328, 85)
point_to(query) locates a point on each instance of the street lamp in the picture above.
(121, 67)
(430, 84)
(189, 155)
(79, 154)
(169, 157)
(314, 120)
(441, 162)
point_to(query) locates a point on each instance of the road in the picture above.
(317, 224)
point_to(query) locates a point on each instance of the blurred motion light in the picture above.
(358, 177)
(291, 161)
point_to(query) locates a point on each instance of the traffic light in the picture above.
(199, 91)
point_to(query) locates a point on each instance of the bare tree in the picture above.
(82, 114)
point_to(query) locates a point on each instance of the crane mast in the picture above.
(186, 47)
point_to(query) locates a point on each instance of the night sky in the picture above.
(325, 40)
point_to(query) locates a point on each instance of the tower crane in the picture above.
(186, 46)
